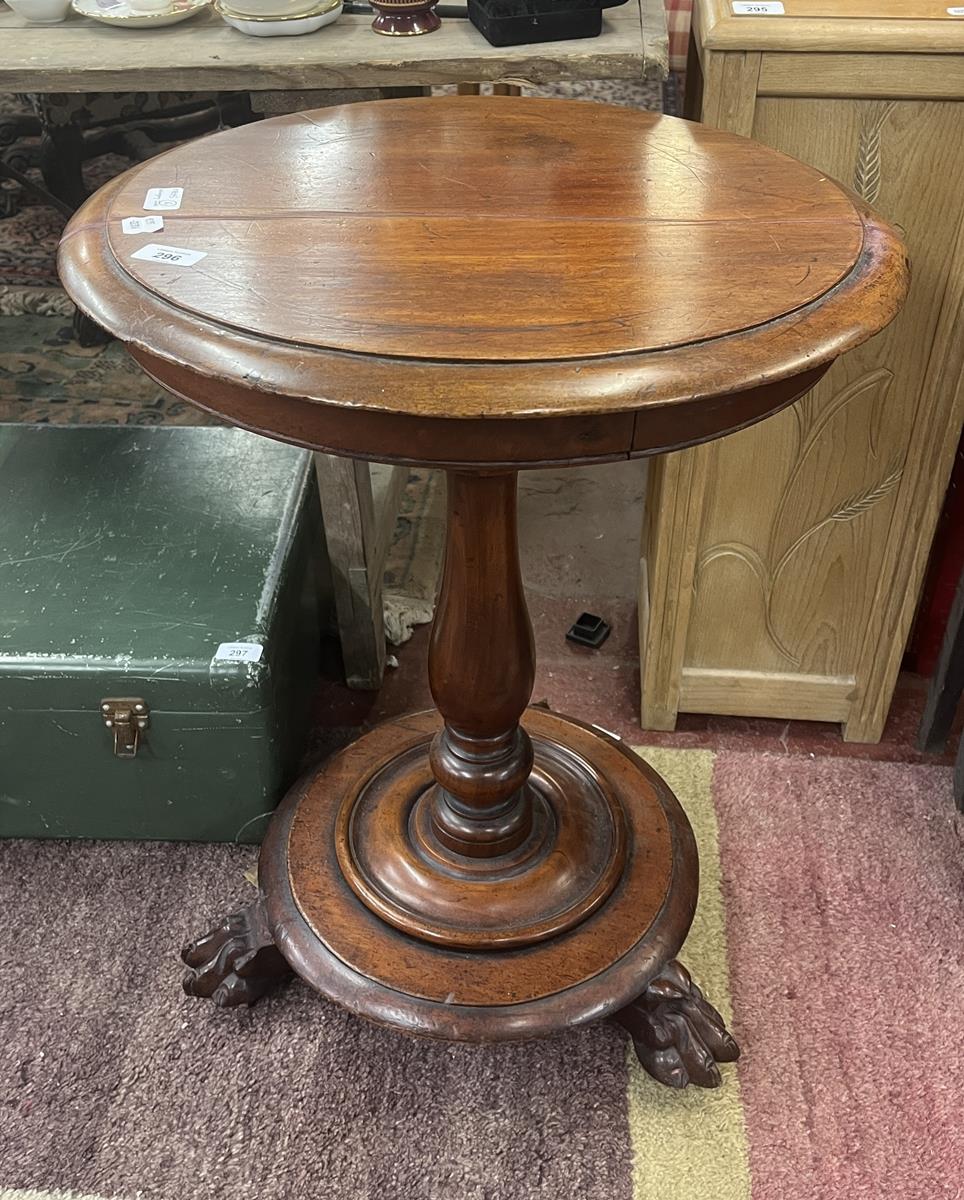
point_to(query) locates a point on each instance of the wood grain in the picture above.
(850, 25)
(729, 89)
(227, 360)
(204, 54)
(816, 580)
(338, 946)
(863, 76)
(400, 261)
(931, 445)
(791, 697)
(783, 583)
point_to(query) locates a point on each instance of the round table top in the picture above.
(472, 259)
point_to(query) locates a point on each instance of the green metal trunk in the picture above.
(128, 556)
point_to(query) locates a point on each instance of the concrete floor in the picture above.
(579, 531)
(579, 536)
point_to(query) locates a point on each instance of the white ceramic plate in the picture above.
(282, 26)
(274, 8)
(123, 16)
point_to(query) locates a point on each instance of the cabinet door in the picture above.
(812, 535)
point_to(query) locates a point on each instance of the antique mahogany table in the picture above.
(484, 286)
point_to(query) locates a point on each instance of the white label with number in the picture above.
(246, 652)
(173, 256)
(163, 199)
(764, 8)
(142, 224)
(956, 12)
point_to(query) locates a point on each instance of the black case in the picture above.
(520, 22)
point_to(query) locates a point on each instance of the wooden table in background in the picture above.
(794, 597)
(204, 54)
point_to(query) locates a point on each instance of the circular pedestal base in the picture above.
(569, 864)
(634, 921)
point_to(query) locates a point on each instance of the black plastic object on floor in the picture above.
(520, 22)
(589, 630)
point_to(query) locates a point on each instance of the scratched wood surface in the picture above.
(550, 207)
(602, 262)
(502, 281)
(206, 54)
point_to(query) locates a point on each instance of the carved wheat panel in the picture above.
(787, 583)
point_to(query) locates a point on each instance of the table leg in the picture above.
(237, 961)
(488, 871)
(678, 1037)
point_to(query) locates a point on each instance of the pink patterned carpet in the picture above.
(842, 882)
(831, 926)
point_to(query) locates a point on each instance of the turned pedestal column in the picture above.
(481, 670)
(484, 286)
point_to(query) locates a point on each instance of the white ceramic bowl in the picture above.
(149, 6)
(281, 26)
(41, 12)
(271, 8)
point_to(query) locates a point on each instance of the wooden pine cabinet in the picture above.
(782, 565)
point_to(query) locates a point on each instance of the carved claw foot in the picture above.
(236, 962)
(679, 1038)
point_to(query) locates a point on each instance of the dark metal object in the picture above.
(126, 718)
(589, 630)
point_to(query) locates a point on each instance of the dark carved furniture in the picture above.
(63, 131)
(485, 285)
(66, 130)
(945, 691)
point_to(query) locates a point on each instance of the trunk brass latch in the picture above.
(126, 718)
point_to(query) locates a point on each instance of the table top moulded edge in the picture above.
(422, 411)
(205, 54)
